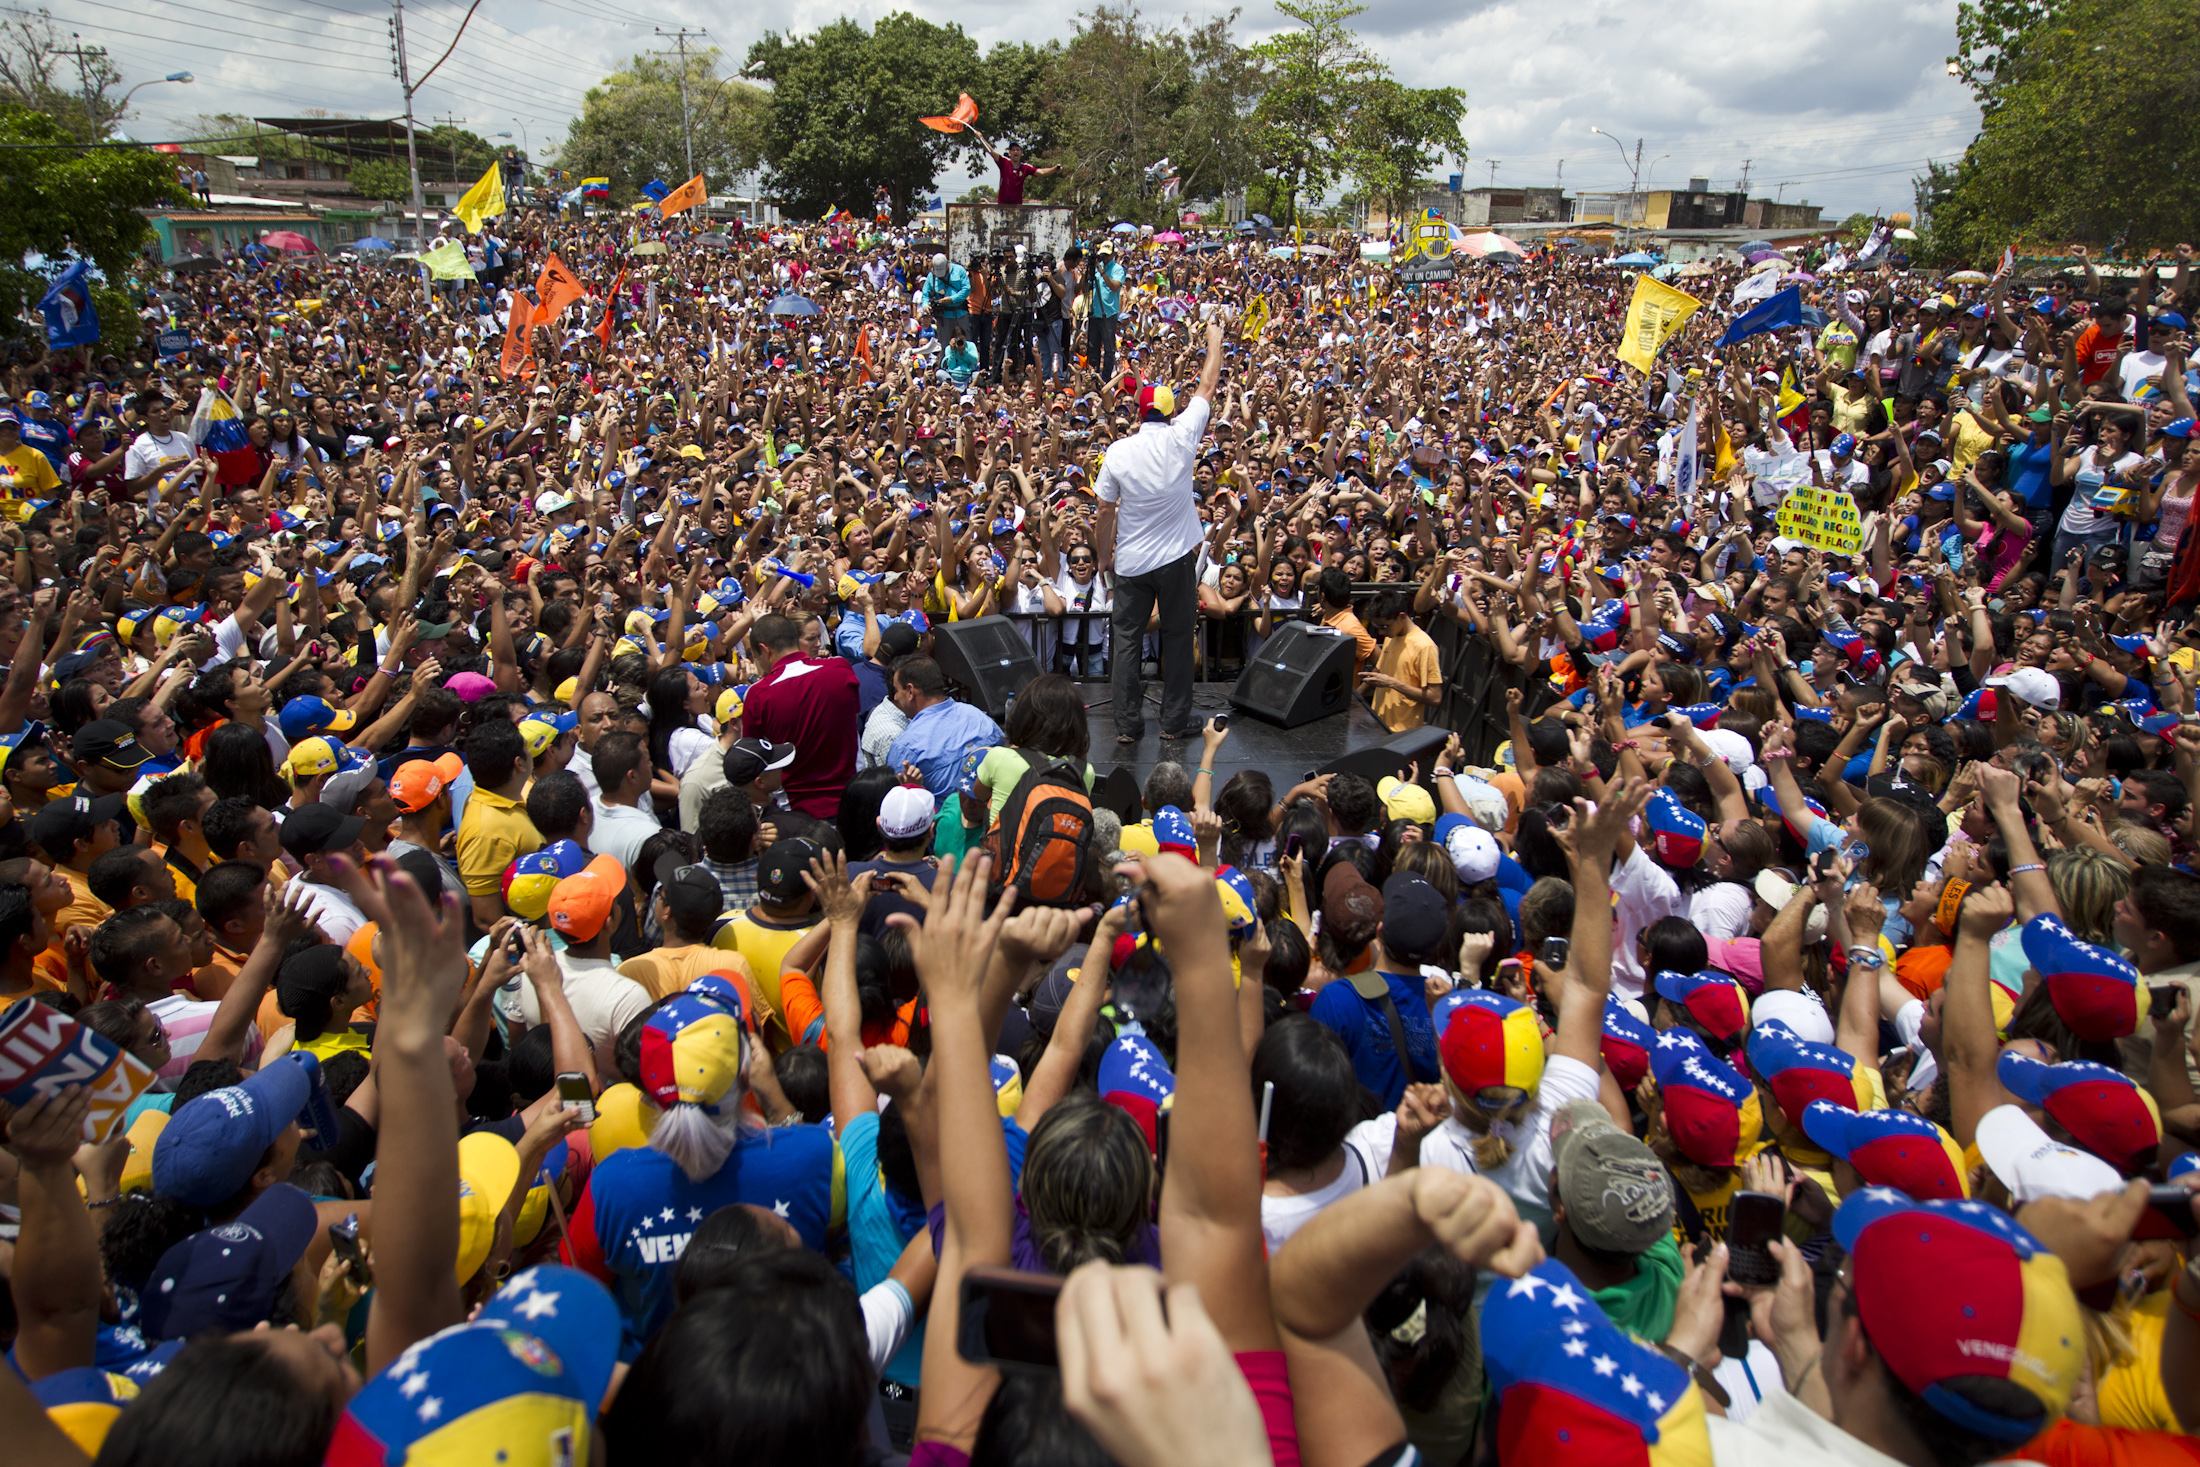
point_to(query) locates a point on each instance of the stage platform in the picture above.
(1285, 753)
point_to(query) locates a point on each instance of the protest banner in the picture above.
(1654, 313)
(44, 1051)
(1824, 519)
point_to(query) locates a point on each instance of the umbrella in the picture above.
(1264, 221)
(1969, 277)
(1905, 234)
(1122, 226)
(1803, 277)
(1281, 252)
(1321, 250)
(1637, 260)
(1754, 246)
(1375, 249)
(1209, 244)
(1758, 257)
(194, 264)
(1482, 246)
(372, 242)
(650, 247)
(1246, 226)
(1666, 271)
(715, 240)
(1168, 236)
(795, 305)
(285, 239)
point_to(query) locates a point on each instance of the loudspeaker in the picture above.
(1303, 672)
(1393, 756)
(990, 659)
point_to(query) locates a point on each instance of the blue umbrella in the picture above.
(1282, 252)
(1750, 247)
(795, 305)
(1246, 226)
(1123, 226)
(372, 242)
(1637, 260)
(1264, 221)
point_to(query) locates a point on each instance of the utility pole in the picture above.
(687, 128)
(85, 56)
(403, 69)
(448, 121)
(1493, 172)
(1745, 174)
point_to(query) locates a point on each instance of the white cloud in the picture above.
(1841, 100)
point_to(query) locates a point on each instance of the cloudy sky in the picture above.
(1837, 101)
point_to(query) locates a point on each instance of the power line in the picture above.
(188, 45)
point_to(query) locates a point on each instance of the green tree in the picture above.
(66, 199)
(629, 129)
(1396, 133)
(2086, 134)
(844, 105)
(450, 152)
(75, 91)
(378, 179)
(1317, 73)
(1126, 94)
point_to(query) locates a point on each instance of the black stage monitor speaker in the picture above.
(1394, 755)
(1303, 672)
(990, 659)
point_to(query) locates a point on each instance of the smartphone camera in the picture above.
(573, 1094)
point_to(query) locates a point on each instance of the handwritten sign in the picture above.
(43, 1050)
(1824, 519)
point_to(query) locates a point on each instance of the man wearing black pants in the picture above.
(1149, 524)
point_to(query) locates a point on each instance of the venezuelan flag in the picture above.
(595, 188)
(216, 427)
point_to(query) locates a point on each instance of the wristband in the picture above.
(1203, 769)
(2027, 867)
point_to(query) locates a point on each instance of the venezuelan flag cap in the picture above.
(1602, 630)
(1133, 1066)
(691, 1047)
(1891, 1148)
(1625, 1043)
(1703, 715)
(1491, 1042)
(529, 880)
(2092, 989)
(2103, 1109)
(1711, 1112)
(1800, 1074)
(84, 1403)
(1798, 823)
(1239, 905)
(1676, 832)
(1955, 1293)
(1713, 1002)
(519, 1391)
(1571, 1387)
(1172, 831)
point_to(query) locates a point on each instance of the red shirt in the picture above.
(809, 702)
(1013, 175)
(2097, 352)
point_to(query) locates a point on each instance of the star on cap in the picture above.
(1631, 1384)
(1526, 1284)
(1564, 1297)
(414, 1385)
(782, 1208)
(431, 1408)
(538, 1305)
(1604, 1364)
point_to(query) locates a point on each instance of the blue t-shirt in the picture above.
(50, 439)
(2028, 473)
(642, 1209)
(1365, 1030)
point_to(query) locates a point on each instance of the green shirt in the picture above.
(1643, 1305)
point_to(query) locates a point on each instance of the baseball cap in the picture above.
(906, 812)
(1625, 1041)
(537, 734)
(60, 824)
(305, 716)
(84, 1402)
(1618, 1195)
(1491, 1048)
(1415, 918)
(1474, 851)
(1800, 1011)
(779, 873)
(108, 741)
(1402, 801)
(2092, 989)
(2033, 1164)
(691, 1047)
(1133, 1066)
(488, 1169)
(320, 755)
(214, 1142)
(1156, 397)
(1801, 1074)
(31, 735)
(751, 759)
(1891, 1148)
(896, 639)
(581, 904)
(1711, 1112)
(2030, 685)
(227, 1277)
(418, 781)
(1172, 831)
(1955, 1292)
(319, 830)
(2103, 1110)
(530, 879)
(1713, 1002)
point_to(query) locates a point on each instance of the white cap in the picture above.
(1733, 750)
(2030, 685)
(939, 262)
(1473, 852)
(2033, 1164)
(1776, 891)
(906, 812)
(1802, 1012)
(1485, 802)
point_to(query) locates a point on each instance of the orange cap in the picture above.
(581, 905)
(418, 781)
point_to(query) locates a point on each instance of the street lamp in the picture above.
(173, 76)
(1633, 164)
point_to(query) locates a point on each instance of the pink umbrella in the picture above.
(1168, 236)
(284, 239)
(1479, 246)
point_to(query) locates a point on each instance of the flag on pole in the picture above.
(682, 199)
(1686, 472)
(67, 307)
(1654, 313)
(216, 428)
(965, 113)
(655, 190)
(1782, 309)
(1256, 318)
(595, 188)
(485, 200)
(447, 261)
(518, 339)
(863, 351)
(555, 289)
(610, 321)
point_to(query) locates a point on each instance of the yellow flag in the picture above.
(447, 261)
(1790, 397)
(485, 200)
(1256, 318)
(1655, 313)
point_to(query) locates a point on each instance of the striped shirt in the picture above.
(186, 1021)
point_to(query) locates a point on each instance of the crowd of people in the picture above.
(578, 982)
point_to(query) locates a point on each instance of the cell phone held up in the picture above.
(1007, 1320)
(573, 1094)
(1753, 1221)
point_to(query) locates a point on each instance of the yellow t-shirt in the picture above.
(25, 473)
(1967, 439)
(1413, 661)
(495, 833)
(2130, 1390)
(764, 943)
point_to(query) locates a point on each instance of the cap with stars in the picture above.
(1711, 1112)
(1570, 1386)
(518, 1386)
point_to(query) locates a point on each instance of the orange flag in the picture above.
(556, 288)
(863, 352)
(965, 113)
(610, 310)
(518, 339)
(681, 199)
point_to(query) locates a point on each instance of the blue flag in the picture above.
(1770, 314)
(655, 190)
(67, 307)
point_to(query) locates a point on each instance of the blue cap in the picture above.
(1844, 444)
(304, 717)
(227, 1277)
(40, 399)
(2163, 318)
(568, 1311)
(2176, 428)
(214, 1142)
